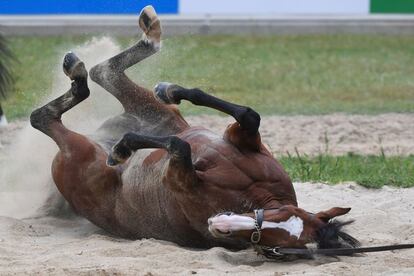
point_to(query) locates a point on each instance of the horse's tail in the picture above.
(6, 59)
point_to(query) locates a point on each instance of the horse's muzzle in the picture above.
(218, 230)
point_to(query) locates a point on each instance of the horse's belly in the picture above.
(142, 203)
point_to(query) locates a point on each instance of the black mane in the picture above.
(332, 236)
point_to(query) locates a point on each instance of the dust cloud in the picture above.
(25, 176)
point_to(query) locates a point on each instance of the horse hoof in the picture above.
(73, 67)
(150, 24)
(164, 92)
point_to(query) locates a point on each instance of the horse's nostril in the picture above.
(210, 221)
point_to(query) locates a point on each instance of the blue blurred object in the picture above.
(33, 7)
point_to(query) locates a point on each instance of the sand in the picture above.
(73, 246)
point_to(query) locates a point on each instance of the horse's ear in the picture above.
(331, 213)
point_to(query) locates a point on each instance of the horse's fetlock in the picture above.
(122, 152)
(79, 71)
(80, 91)
(165, 92)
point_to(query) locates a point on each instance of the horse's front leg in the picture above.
(244, 134)
(179, 175)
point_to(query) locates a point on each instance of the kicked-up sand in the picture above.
(73, 246)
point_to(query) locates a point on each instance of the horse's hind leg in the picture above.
(180, 172)
(135, 99)
(248, 119)
(110, 73)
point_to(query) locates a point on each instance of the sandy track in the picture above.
(72, 247)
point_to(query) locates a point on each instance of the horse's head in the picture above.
(288, 226)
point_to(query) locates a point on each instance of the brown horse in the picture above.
(147, 174)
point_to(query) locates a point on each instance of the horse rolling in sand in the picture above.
(147, 174)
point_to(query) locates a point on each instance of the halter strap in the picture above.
(281, 252)
(258, 221)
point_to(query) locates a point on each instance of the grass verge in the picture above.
(303, 74)
(368, 171)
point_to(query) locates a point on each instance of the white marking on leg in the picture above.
(3, 121)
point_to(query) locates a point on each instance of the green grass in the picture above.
(369, 171)
(308, 74)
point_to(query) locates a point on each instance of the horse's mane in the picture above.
(6, 58)
(332, 236)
